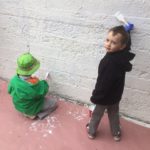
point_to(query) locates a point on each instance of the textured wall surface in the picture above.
(67, 37)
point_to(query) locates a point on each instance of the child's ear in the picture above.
(123, 46)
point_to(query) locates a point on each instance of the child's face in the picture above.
(113, 42)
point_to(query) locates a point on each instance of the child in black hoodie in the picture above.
(110, 81)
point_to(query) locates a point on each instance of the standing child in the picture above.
(28, 92)
(110, 81)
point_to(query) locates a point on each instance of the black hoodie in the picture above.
(111, 77)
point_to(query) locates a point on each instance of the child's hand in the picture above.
(33, 80)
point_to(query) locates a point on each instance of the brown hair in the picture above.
(122, 31)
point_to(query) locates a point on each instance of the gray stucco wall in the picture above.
(67, 37)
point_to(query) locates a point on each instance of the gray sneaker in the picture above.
(90, 136)
(117, 137)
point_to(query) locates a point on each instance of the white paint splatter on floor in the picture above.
(45, 126)
(78, 114)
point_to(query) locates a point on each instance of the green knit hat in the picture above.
(27, 64)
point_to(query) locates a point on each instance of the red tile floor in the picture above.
(64, 129)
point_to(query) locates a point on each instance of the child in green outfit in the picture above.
(28, 93)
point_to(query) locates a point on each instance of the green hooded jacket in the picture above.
(27, 98)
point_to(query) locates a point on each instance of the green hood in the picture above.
(27, 98)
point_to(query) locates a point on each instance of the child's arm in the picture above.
(105, 82)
